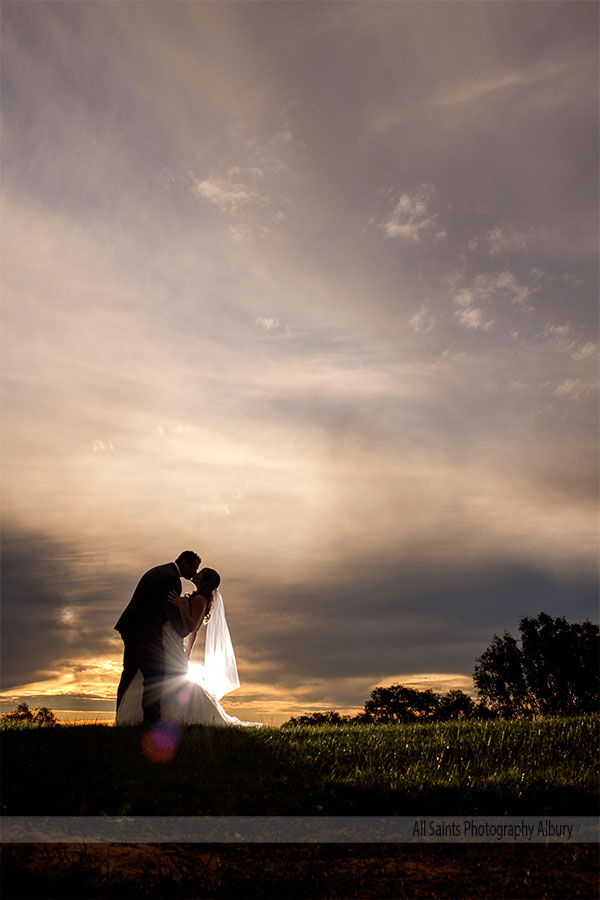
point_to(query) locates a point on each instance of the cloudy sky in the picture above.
(309, 288)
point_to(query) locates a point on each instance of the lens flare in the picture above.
(159, 744)
(183, 696)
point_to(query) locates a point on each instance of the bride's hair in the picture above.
(208, 580)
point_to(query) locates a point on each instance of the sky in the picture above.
(311, 289)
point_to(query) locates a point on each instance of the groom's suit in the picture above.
(140, 626)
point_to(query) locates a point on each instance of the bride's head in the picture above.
(207, 581)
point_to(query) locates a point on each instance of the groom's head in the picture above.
(188, 563)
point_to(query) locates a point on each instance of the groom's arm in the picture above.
(166, 583)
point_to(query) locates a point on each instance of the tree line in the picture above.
(554, 671)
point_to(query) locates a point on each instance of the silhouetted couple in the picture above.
(155, 683)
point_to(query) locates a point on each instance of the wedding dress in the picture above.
(187, 700)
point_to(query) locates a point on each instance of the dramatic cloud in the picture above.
(313, 290)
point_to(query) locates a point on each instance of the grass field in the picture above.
(451, 768)
(459, 768)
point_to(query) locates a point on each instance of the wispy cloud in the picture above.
(422, 320)
(252, 192)
(268, 324)
(508, 81)
(226, 194)
(483, 293)
(586, 351)
(474, 318)
(561, 338)
(412, 215)
(103, 447)
(574, 387)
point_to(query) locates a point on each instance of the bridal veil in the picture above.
(220, 674)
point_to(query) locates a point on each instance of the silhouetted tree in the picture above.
(455, 705)
(555, 671)
(481, 711)
(40, 716)
(499, 677)
(398, 703)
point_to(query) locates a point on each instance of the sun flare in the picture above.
(196, 673)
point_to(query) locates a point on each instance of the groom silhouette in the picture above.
(141, 624)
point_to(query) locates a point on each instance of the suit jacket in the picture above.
(149, 608)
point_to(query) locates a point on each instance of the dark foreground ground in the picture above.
(130, 871)
(473, 768)
(451, 768)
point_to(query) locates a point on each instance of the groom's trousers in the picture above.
(148, 656)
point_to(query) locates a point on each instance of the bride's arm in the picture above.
(188, 621)
(189, 643)
(199, 605)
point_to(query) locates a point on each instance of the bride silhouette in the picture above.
(190, 695)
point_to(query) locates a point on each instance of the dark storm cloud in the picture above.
(404, 617)
(58, 605)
